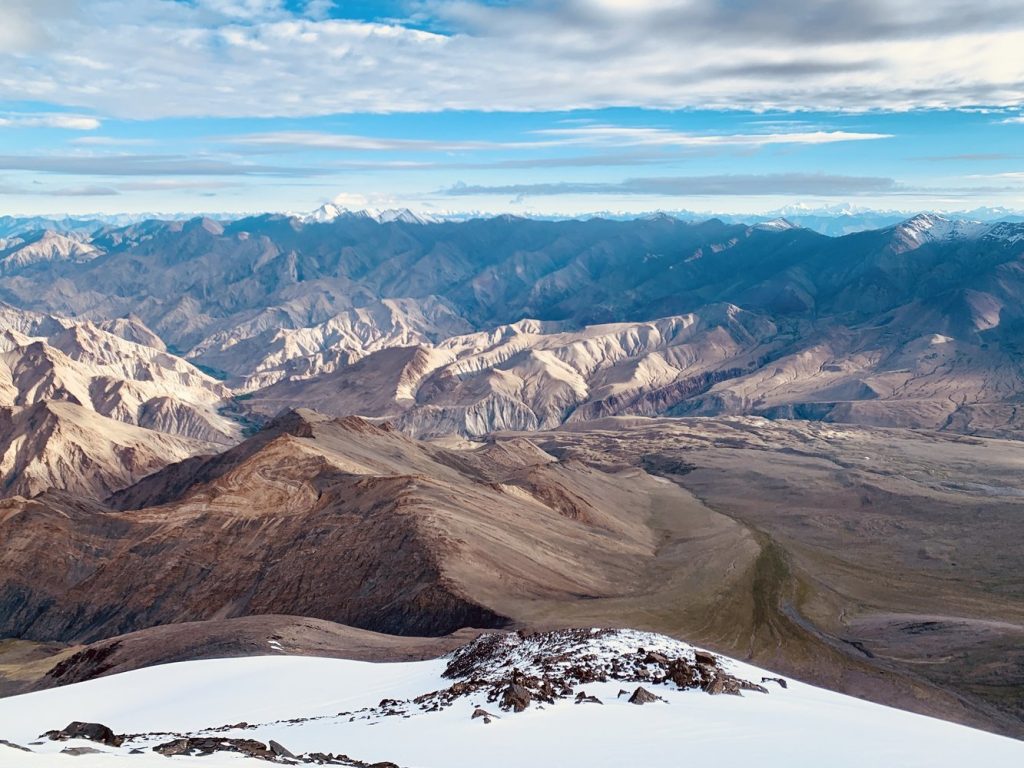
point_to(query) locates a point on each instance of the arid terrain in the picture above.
(856, 558)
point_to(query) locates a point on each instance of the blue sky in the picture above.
(566, 106)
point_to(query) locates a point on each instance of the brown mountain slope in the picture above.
(894, 550)
(27, 666)
(332, 519)
(882, 563)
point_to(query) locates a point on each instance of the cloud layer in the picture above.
(156, 58)
(695, 186)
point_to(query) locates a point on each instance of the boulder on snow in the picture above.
(279, 750)
(653, 657)
(516, 698)
(207, 746)
(487, 716)
(12, 745)
(92, 731)
(642, 696)
(77, 751)
(705, 658)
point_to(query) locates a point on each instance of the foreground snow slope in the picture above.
(794, 726)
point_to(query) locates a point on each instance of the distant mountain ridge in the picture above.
(487, 324)
(834, 221)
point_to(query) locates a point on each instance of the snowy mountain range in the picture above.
(834, 220)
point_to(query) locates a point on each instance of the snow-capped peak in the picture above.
(331, 211)
(934, 227)
(776, 225)
(930, 228)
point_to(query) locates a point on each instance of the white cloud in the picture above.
(661, 137)
(150, 58)
(748, 185)
(67, 122)
(25, 25)
(584, 136)
(110, 141)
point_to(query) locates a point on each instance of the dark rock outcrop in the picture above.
(516, 697)
(92, 731)
(642, 696)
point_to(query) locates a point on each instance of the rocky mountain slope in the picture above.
(43, 247)
(117, 368)
(90, 408)
(917, 324)
(234, 535)
(59, 444)
(532, 375)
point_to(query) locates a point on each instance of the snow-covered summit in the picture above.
(931, 228)
(301, 710)
(776, 225)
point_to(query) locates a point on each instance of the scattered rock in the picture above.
(683, 674)
(582, 698)
(723, 683)
(76, 751)
(705, 658)
(487, 716)
(207, 746)
(656, 658)
(622, 692)
(92, 731)
(279, 750)
(513, 670)
(642, 696)
(516, 698)
(12, 745)
(782, 683)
